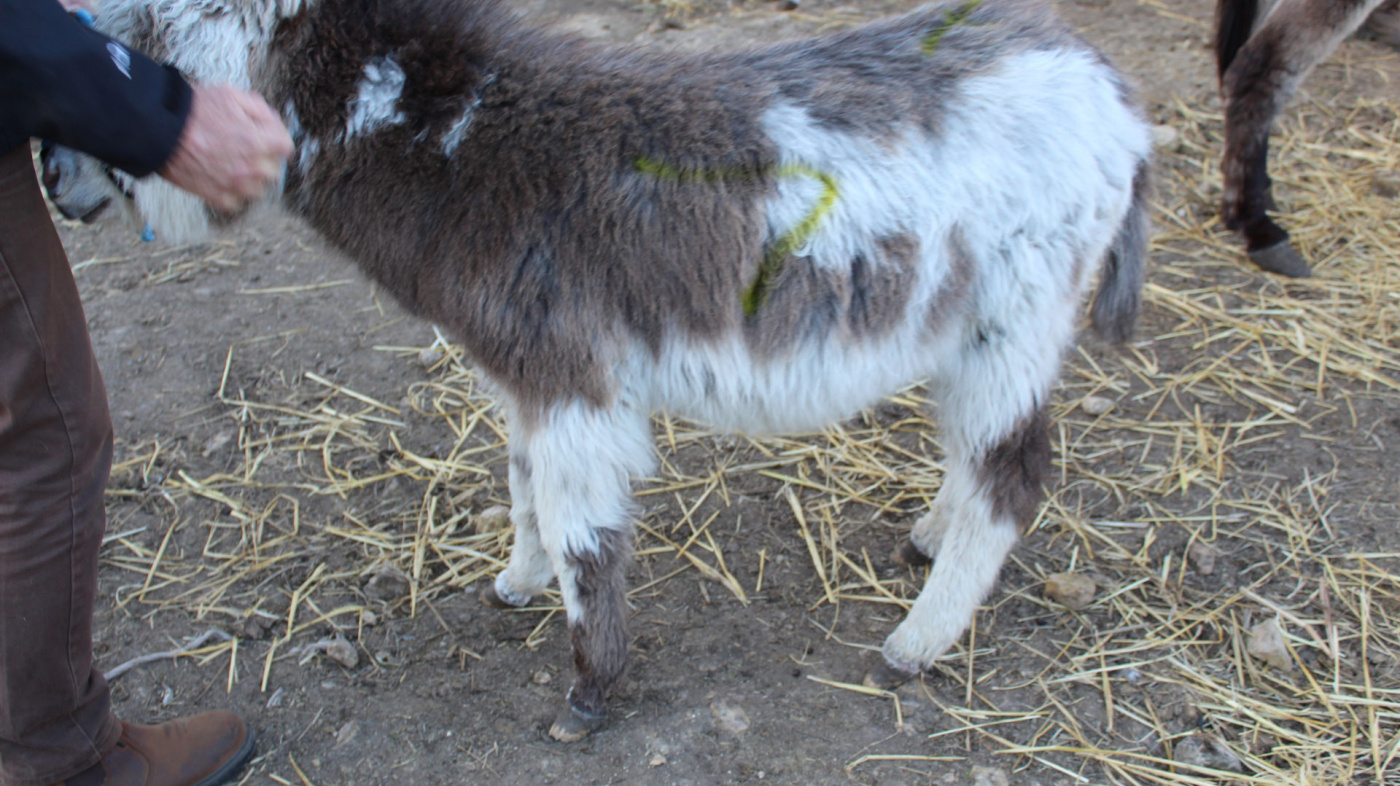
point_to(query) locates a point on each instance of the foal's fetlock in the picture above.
(887, 676)
(908, 555)
(498, 598)
(574, 722)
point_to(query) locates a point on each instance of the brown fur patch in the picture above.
(951, 299)
(1014, 471)
(807, 303)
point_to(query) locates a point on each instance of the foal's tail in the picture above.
(1234, 21)
(1115, 309)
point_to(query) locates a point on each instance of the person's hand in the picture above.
(232, 148)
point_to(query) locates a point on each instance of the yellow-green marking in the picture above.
(792, 240)
(951, 19)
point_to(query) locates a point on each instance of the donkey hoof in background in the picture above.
(1282, 259)
(1263, 51)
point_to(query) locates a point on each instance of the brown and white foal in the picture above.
(762, 240)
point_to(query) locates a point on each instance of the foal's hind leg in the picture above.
(997, 439)
(1259, 80)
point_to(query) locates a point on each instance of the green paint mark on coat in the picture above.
(786, 245)
(794, 238)
(951, 19)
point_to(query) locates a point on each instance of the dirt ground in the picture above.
(215, 354)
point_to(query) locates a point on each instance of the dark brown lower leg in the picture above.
(55, 453)
(1014, 471)
(598, 632)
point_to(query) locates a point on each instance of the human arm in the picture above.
(66, 83)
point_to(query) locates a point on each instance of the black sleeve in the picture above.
(63, 82)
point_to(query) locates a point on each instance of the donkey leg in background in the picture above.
(1384, 24)
(1256, 80)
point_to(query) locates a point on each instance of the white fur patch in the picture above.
(582, 459)
(457, 131)
(374, 106)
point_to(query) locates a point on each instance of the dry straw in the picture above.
(1230, 366)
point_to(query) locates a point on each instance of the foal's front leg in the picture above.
(581, 460)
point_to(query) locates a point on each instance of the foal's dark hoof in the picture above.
(886, 677)
(1282, 259)
(491, 598)
(573, 724)
(909, 555)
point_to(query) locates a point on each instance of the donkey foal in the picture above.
(762, 240)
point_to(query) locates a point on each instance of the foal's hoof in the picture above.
(909, 555)
(573, 724)
(492, 598)
(886, 677)
(1282, 259)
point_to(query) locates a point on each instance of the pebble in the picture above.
(1203, 557)
(730, 717)
(430, 357)
(1165, 137)
(1199, 750)
(493, 519)
(343, 652)
(1072, 590)
(657, 760)
(217, 442)
(1096, 405)
(990, 776)
(542, 677)
(1266, 643)
(347, 733)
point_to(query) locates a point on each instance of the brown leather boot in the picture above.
(205, 750)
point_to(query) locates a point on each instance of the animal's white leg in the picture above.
(583, 459)
(530, 570)
(998, 442)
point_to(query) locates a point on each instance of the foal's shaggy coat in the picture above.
(761, 240)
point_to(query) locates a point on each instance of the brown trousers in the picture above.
(55, 454)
